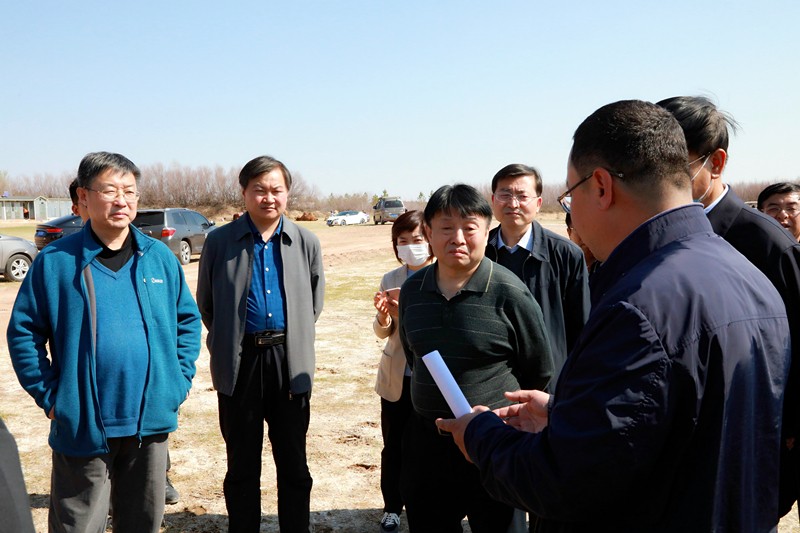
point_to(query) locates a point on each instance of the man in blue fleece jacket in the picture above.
(123, 334)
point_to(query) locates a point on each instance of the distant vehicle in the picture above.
(16, 256)
(51, 230)
(183, 230)
(344, 218)
(388, 209)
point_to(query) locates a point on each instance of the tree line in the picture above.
(206, 188)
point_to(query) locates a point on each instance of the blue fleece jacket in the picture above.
(56, 306)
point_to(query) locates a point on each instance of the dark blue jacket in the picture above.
(667, 413)
(555, 273)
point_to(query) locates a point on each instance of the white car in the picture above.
(344, 218)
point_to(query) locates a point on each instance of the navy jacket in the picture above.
(555, 273)
(667, 412)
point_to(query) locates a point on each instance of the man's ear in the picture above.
(718, 160)
(602, 184)
(426, 230)
(82, 194)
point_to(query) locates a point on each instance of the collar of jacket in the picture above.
(539, 249)
(240, 229)
(661, 230)
(479, 282)
(91, 248)
(725, 212)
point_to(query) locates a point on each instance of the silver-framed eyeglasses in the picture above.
(565, 200)
(109, 195)
(774, 211)
(507, 198)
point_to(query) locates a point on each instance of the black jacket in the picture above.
(555, 273)
(776, 253)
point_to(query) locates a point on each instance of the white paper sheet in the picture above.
(446, 383)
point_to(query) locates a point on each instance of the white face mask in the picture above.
(702, 196)
(413, 254)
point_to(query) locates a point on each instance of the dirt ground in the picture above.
(344, 440)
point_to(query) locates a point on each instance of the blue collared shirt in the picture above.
(265, 301)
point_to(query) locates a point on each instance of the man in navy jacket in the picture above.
(667, 413)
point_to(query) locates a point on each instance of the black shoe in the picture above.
(171, 495)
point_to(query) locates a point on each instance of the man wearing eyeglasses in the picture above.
(550, 265)
(666, 414)
(756, 236)
(104, 335)
(781, 201)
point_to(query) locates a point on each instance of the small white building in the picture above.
(38, 208)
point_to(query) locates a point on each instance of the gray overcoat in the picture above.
(226, 268)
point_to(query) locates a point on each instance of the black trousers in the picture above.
(440, 487)
(394, 416)
(262, 395)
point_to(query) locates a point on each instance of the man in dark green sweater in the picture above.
(490, 333)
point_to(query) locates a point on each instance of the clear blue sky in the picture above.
(366, 96)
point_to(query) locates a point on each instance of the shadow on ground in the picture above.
(333, 521)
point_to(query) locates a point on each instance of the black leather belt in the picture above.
(263, 339)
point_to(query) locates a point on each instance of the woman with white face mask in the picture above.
(393, 385)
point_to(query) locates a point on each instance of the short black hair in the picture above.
(95, 163)
(408, 221)
(263, 164)
(568, 220)
(516, 170)
(704, 125)
(73, 191)
(459, 198)
(640, 140)
(783, 187)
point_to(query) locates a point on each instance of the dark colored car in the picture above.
(183, 230)
(16, 256)
(54, 229)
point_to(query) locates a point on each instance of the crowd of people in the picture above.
(636, 376)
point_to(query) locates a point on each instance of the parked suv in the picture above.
(183, 230)
(388, 209)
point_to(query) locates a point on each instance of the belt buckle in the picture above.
(268, 338)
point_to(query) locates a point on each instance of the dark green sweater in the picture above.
(490, 335)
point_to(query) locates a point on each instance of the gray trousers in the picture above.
(130, 476)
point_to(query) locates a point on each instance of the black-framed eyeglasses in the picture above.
(565, 200)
